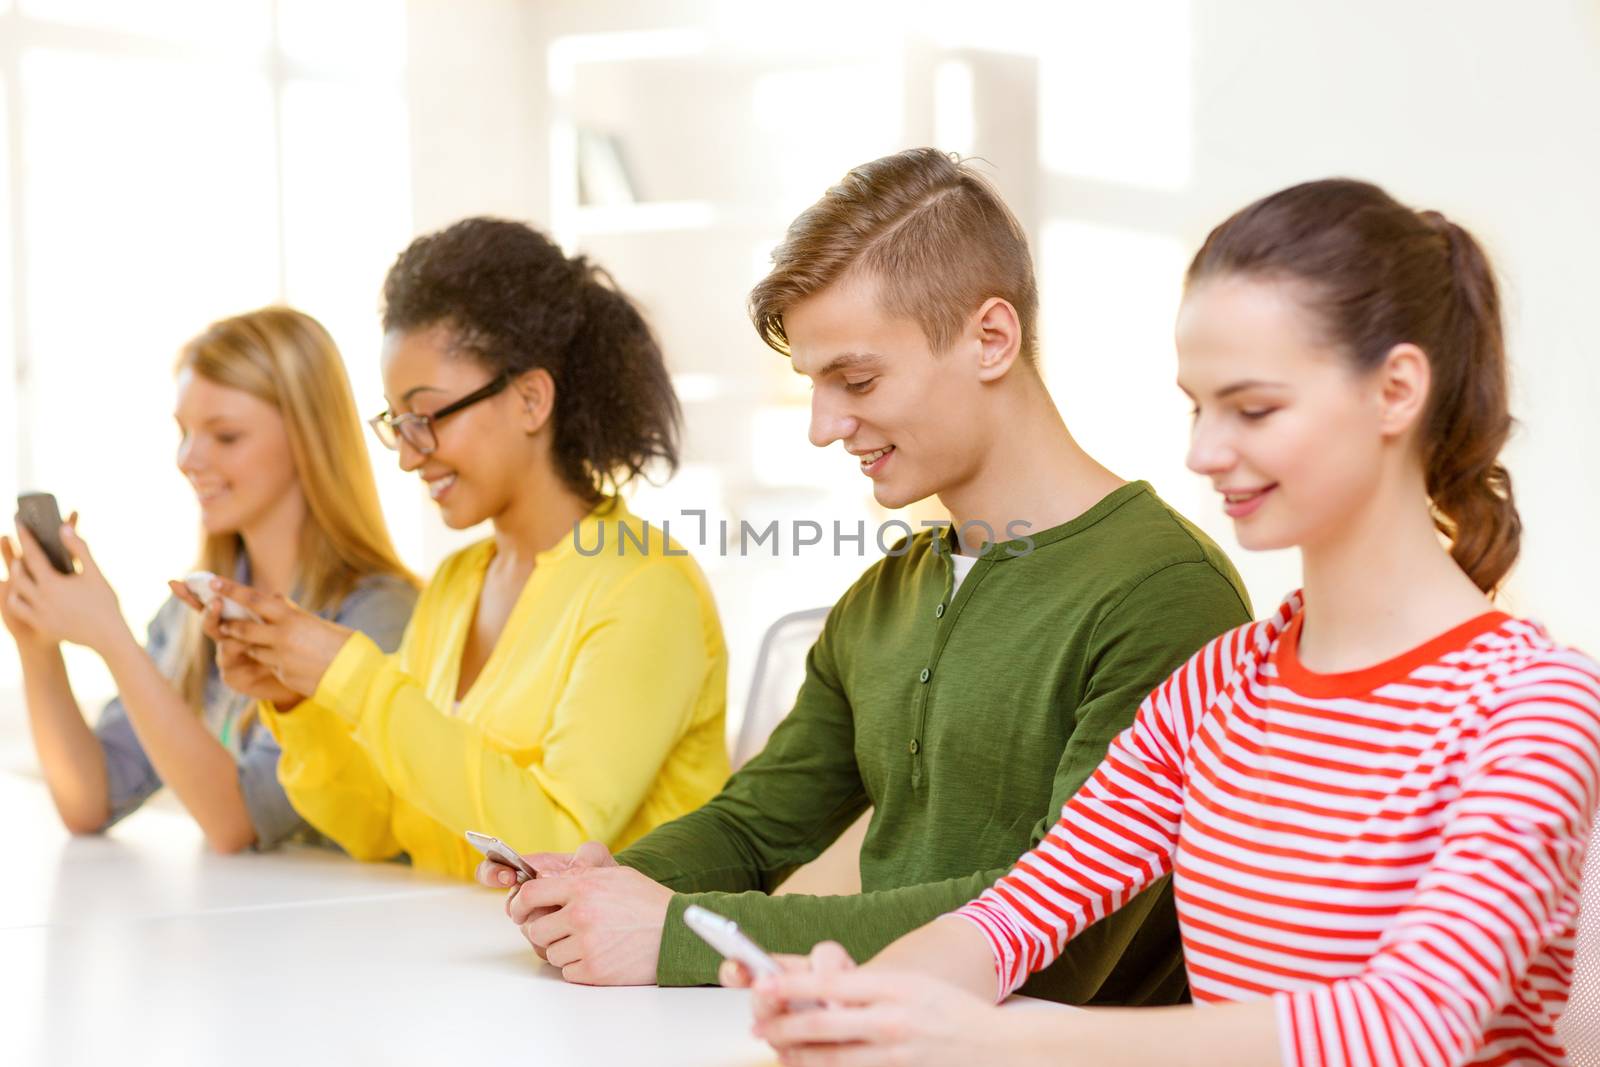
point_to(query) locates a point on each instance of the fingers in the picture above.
(551, 925)
(185, 594)
(550, 864)
(19, 607)
(78, 549)
(853, 987)
(830, 957)
(211, 623)
(270, 608)
(563, 953)
(540, 893)
(28, 550)
(495, 875)
(254, 634)
(734, 975)
(593, 854)
(829, 1026)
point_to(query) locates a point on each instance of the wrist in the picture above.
(117, 646)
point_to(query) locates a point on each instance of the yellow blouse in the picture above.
(597, 716)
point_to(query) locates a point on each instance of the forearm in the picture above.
(951, 949)
(331, 781)
(1212, 1035)
(70, 756)
(188, 759)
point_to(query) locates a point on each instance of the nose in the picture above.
(189, 456)
(1210, 452)
(829, 422)
(410, 458)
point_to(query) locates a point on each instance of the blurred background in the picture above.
(168, 162)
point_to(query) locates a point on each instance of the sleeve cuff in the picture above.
(684, 959)
(341, 689)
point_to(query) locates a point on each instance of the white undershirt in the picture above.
(963, 567)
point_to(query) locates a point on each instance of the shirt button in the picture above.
(914, 746)
(938, 612)
(926, 674)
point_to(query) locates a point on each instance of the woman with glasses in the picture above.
(543, 695)
(271, 444)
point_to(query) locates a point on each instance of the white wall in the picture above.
(1480, 109)
(1156, 119)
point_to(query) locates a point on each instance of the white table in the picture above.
(143, 947)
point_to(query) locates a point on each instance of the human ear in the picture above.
(1403, 380)
(999, 338)
(536, 394)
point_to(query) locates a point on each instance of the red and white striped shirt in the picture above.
(1393, 854)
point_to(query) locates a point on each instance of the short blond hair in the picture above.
(929, 229)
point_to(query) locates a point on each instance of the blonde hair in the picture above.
(287, 359)
(930, 230)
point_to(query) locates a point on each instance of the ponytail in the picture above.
(616, 411)
(1469, 420)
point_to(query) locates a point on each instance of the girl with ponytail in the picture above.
(542, 694)
(1374, 803)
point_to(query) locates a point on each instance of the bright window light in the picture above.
(347, 214)
(195, 21)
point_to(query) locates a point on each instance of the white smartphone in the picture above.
(501, 852)
(725, 936)
(199, 584)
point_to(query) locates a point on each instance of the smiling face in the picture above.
(234, 451)
(1289, 431)
(906, 414)
(483, 451)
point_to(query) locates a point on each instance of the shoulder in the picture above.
(1150, 536)
(1523, 665)
(376, 595)
(638, 561)
(1242, 649)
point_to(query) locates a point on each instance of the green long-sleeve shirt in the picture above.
(965, 722)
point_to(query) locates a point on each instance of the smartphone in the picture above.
(199, 584)
(501, 852)
(733, 943)
(39, 513)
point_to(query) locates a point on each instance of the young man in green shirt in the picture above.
(962, 699)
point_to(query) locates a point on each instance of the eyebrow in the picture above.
(844, 361)
(405, 398)
(1239, 387)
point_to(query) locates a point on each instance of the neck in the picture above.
(273, 545)
(536, 520)
(1032, 471)
(1382, 585)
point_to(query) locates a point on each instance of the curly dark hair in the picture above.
(514, 302)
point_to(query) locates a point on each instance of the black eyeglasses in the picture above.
(417, 430)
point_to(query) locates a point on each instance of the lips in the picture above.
(1240, 503)
(208, 494)
(872, 461)
(439, 485)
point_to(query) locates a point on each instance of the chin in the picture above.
(218, 524)
(460, 518)
(1263, 537)
(893, 497)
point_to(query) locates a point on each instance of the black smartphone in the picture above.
(38, 512)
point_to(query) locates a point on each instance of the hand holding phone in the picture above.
(501, 852)
(38, 513)
(199, 583)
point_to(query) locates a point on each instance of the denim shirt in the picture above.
(379, 606)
